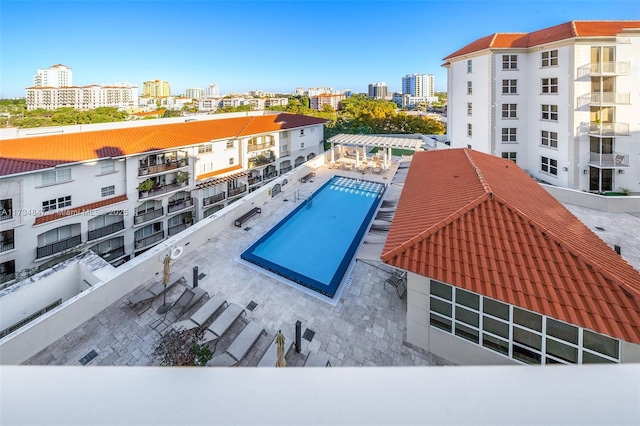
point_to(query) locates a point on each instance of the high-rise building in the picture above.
(195, 93)
(418, 85)
(55, 76)
(561, 102)
(378, 90)
(156, 89)
(212, 90)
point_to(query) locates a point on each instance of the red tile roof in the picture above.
(87, 146)
(481, 223)
(79, 210)
(563, 31)
(219, 172)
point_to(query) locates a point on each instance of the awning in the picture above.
(381, 141)
(218, 181)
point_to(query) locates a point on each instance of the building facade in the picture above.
(195, 93)
(561, 102)
(121, 96)
(120, 190)
(378, 90)
(55, 76)
(156, 89)
(335, 101)
(418, 85)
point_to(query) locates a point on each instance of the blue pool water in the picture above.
(313, 246)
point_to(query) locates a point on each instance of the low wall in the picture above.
(22, 344)
(612, 204)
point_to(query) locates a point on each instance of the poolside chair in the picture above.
(399, 282)
(239, 347)
(317, 360)
(151, 293)
(222, 324)
(202, 315)
(270, 356)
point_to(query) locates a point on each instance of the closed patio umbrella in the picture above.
(165, 280)
(281, 362)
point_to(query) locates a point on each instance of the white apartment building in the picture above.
(335, 101)
(561, 102)
(212, 91)
(121, 188)
(195, 93)
(418, 85)
(55, 76)
(82, 97)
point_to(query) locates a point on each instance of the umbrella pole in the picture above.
(164, 307)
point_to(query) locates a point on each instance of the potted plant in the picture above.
(624, 191)
(182, 177)
(187, 219)
(145, 187)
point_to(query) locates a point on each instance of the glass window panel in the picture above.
(467, 299)
(441, 290)
(527, 338)
(527, 319)
(562, 331)
(441, 307)
(525, 355)
(562, 351)
(440, 322)
(589, 358)
(467, 333)
(548, 360)
(467, 316)
(496, 327)
(600, 343)
(495, 308)
(495, 344)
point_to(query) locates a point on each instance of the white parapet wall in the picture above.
(111, 284)
(611, 204)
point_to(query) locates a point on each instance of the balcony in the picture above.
(604, 68)
(214, 199)
(284, 170)
(105, 230)
(7, 244)
(147, 241)
(58, 246)
(261, 160)
(254, 179)
(237, 191)
(162, 189)
(5, 278)
(112, 254)
(604, 99)
(177, 205)
(609, 161)
(271, 175)
(159, 168)
(608, 129)
(260, 146)
(173, 230)
(144, 217)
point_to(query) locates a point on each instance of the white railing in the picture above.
(609, 129)
(609, 160)
(604, 98)
(612, 68)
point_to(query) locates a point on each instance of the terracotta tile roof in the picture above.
(87, 146)
(10, 166)
(563, 31)
(481, 223)
(79, 210)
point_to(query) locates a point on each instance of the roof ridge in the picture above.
(493, 39)
(245, 126)
(574, 30)
(476, 168)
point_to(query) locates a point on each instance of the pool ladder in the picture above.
(300, 196)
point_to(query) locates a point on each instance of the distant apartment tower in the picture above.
(378, 90)
(118, 95)
(418, 85)
(212, 91)
(55, 76)
(562, 102)
(334, 100)
(156, 89)
(195, 93)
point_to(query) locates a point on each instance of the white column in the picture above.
(357, 157)
(364, 152)
(333, 159)
(384, 159)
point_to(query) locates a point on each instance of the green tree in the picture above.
(181, 348)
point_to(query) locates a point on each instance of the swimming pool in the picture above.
(313, 246)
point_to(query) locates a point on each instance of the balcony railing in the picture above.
(604, 98)
(285, 153)
(141, 218)
(112, 254)
(604, 68)
(176, 205)
(261, 160)
(213, 199)
(163, 189)
(271, 175)
(608, 160)
(173, 230)
(6, 244)
(5, 278)
(105, 230)
(259, 146)
(284, 170)
(58, 246)
(143, 242)
(159, 168)
(609, 129)
(238, 190)
(254, 179)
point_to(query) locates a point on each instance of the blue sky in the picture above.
(266, 45)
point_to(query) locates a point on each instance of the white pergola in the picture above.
(385, 143)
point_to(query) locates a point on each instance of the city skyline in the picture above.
(272, 46)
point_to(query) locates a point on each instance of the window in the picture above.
(510, 156)
(108, 166)
(469, 88)
(550, 112)
(231, 161)
(301, 132)
(549, 58)
(509, 62)
(469, 108)
(549, 165)
(6, 209)
(284, 149)
(301, 145)
(284, 135)
(509, 135)
(509, 87)
(469, 66)
(107, 191)
(549, 139)
(56, 176)
(549, 85)
(205, 148)
(509, 110)
(56, 203)
(469, 129)
(230, 144)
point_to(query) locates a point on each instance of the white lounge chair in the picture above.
(202, 315)
(222, 324)
(239, 347)
(152, 292)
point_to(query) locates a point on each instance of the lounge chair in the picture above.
(270, 357)
(317, 360)
(151, 293)
(202, 315)
(222, 324)
(239, 347)
(399, 282)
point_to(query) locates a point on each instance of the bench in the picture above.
(248, 215)
(306, 177)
